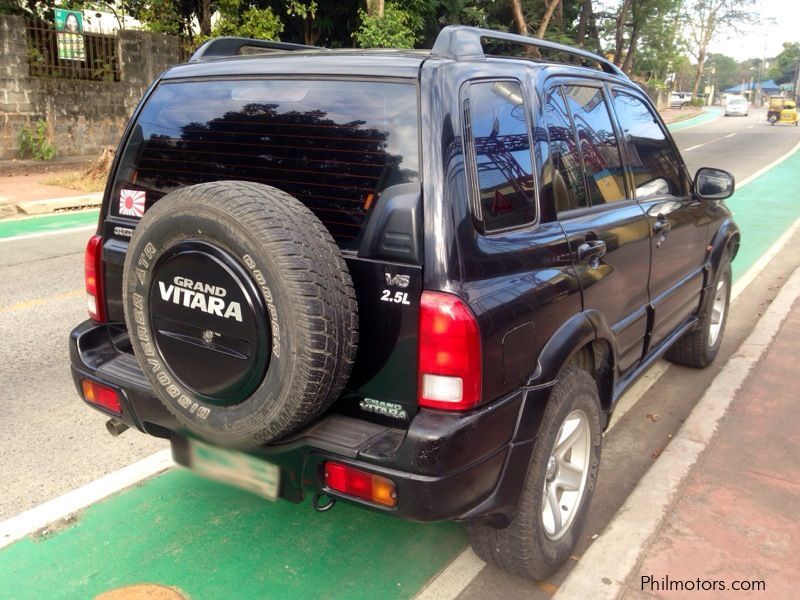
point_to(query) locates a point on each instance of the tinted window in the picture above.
(502, 154)
(334, 145)
(599, 148)
(569, 189)
(655, 166)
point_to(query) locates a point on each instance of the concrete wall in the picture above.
(82, 116)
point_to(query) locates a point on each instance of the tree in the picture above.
(784, 69)
(390, 30)
(259, 23)
(707, 18)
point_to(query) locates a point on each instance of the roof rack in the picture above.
(230, 46)
(460, 42)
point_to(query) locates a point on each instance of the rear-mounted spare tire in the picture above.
(240, 309)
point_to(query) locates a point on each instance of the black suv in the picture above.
(417, 281)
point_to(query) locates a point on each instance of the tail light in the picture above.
(93, 269)
(360, 484)
(449, 353)
(101, 396)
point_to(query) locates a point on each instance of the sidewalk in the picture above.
(719, 507)
(737, 515)
(23, 190)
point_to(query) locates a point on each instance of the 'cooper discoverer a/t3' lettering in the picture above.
(201, 296)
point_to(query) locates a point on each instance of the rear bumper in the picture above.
(445, 465)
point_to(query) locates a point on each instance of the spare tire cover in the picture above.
(240, 309)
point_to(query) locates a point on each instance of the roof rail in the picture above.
(462, 42)
(230, 46)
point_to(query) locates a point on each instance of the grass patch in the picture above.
(78, 181)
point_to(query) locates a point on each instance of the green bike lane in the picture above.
(11, 228)
(213, 541)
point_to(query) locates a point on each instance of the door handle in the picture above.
(591, 252)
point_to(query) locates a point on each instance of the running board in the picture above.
(665, 344)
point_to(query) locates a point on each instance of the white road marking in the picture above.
(695, 147)
(763, 170)
(606, 566)
(763, 261)
(750, 126)
(454, 579)
(33, 520)
(41, 234)
(730, 135)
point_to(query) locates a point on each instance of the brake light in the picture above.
(93, 269)
(449, 353)
(101, 395)
(360, 484)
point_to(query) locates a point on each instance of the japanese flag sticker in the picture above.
(131, 203)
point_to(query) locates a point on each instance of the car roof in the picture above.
(368, 63)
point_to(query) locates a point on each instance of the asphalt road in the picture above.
(741, 145)
(51, 443)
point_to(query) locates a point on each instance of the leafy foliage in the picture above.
(392, 30)
(786, 63)
(33, 142)
(237, 20)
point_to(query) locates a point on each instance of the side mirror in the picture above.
(713, 184)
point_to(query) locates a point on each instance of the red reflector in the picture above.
(93, 272)
(449, 353)
(359, 484)
(101, 396)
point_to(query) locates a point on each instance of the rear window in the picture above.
(334, 145)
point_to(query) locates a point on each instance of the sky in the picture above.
(764, 40)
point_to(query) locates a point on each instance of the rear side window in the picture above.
(334, 145)
(598, 142)
(653, 162)
(497, 130)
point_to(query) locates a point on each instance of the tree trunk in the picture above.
(619, 31)
(311, 34)
(627, 66)
(375, 8)
(583, 21)
(701, 61)
(204, 17)
(519, 17)
(548, 13)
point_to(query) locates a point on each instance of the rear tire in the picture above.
(699, 347)
(534, 545)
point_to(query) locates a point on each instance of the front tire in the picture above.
(699, 347)
(558, 487)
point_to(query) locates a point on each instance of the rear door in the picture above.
(676, 219)
(607, 230)
(348, 149)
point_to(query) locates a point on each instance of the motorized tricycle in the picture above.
(782, 110)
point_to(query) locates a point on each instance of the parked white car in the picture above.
(737, 106)
(679, 99)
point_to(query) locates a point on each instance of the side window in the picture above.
(654, 164)
(569, 189)
(599, 147)
(502, 151)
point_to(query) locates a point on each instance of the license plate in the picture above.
(235, 468)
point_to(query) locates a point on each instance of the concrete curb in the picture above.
(602, 573)
(51, 205)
